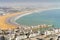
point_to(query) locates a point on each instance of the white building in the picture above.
(21, 37)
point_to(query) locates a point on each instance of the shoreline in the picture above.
(40, 10)
(22, 15)
(27, 13)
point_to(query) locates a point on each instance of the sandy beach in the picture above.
(4, 25)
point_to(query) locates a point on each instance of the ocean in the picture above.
(49, 17)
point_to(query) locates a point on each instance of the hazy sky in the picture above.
(27, 2)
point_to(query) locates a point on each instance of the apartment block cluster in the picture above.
(22, 33)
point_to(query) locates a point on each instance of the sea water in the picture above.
(51, 17)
